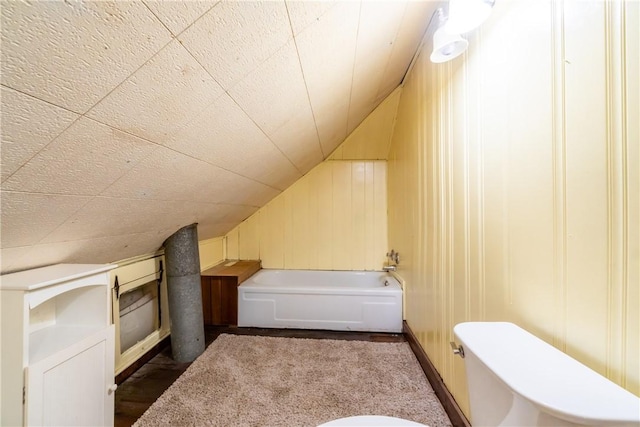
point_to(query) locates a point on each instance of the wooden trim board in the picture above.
(446, 399)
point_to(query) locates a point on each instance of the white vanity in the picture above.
(57, 346)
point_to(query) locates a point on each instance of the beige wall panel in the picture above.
(631, 343)
(211, 252)
(530, 170)
(249, 238)
(490, 47)
(324, 184)
(272, 234)
(334, 218)
(342, 252)
(232, 240)
(359, 239)
(302, 227)
(587, 181)
(514, 185)
(378, 238)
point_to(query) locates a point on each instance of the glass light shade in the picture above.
(447, 46)
(466, 15)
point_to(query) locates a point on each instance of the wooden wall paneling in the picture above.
(587, 183)
(358, 216)
(231, 243)
(341, 228)
(379, 214)
(511, 205)
(324, 188)
(631, 111)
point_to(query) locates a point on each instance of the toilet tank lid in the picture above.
(548, 378)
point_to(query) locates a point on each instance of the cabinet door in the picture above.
(74, 387)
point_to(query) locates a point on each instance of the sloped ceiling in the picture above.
(124, 121)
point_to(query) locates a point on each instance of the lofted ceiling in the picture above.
(124, 121)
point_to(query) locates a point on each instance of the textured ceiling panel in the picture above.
(84, 160)
(233, 38)
(178, 15)
(225, 136)
(304, 13)
(28, 218)
(279, 77)
(160, 97)
(12, 256)
(28, 125)
(414, 24)
(73, 53)
(123, 121)
(379, 25)
(169, 175)
(298, 140)
(327, 50)
(95, 219)
(99, 250)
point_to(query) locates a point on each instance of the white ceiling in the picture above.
(124, 121)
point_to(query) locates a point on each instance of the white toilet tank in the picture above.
(516, 379)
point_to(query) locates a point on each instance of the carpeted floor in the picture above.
(268, 381)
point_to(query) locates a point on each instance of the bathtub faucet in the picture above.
(392, 257)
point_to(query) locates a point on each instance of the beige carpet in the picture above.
(266, 381)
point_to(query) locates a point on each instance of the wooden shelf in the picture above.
(220, 290)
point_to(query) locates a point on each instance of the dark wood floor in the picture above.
(145, 385)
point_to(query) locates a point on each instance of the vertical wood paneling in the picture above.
(287, 224)
(631, 112)
(514, 185)
(587, 183)
(249, 247)
(379, 213)
(618, 225)
(302, 226)
(211, 252)
(314, 231)
(342, 192)
(372, 256)
(231, 242)
(559, 175)
(334, 218)
(358, 249)
(324, 185)
(530, 168)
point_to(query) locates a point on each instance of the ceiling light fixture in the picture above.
(466, 15)
(447, 46)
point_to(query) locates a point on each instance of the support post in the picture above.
(185, 295)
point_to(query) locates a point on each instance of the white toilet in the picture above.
(371, 421)
(516, 379)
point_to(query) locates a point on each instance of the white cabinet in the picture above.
(57, 348)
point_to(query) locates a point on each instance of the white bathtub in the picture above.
(310, 299)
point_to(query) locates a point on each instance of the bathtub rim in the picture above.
(250, 284)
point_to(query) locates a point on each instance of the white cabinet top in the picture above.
(37, 278)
